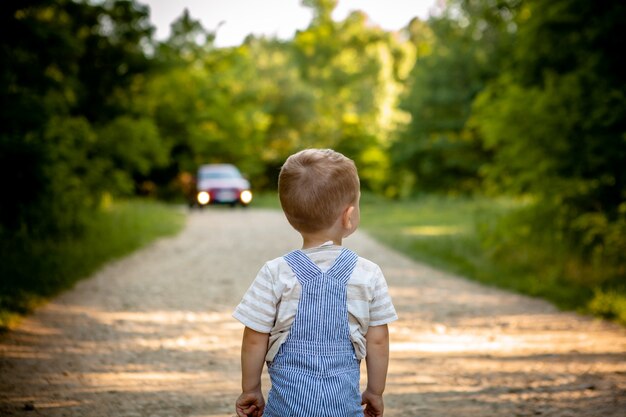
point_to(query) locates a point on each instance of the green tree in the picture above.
(356, 73)
(188, 42)
(556, 120)
(468, 47)
(210, 110)
(288, 103)
(131, 148)
(66, 71)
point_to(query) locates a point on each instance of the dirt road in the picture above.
(151, 336)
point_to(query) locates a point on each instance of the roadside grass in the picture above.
(442, 232)
(266, 199)
(465, 236)
(33, 271)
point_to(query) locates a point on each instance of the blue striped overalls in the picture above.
(315, 372)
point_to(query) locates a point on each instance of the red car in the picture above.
(222, 184)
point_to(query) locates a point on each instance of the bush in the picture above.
(575, 261)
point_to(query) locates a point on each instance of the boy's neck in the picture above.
(334, 233)
(315, 240)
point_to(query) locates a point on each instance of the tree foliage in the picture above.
(468, 43)
(517, 97)
(356, 71)
(556, 119)
(66, 71)
(336, 85)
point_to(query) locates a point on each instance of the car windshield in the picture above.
(218, 174)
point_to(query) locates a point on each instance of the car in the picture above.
(222, 184)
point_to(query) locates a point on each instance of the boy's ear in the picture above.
(346, 218)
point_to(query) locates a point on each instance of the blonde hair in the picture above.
(315, 186)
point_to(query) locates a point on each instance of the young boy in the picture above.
(313, 314)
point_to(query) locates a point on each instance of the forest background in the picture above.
(516, 102)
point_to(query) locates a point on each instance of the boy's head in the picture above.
(315, 186)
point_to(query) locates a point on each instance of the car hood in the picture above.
(238, 183)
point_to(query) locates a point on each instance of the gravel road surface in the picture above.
(151, 335)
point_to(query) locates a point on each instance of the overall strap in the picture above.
(344, 265)
(304, 268)
(321, 323)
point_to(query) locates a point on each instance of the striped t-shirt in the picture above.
(271, 302)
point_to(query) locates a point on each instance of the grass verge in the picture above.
(464, 236)
(266, 200)
(33, 271)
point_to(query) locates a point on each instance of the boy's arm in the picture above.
(377, 361)
(253, 351)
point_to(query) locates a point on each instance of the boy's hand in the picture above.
(253, 349)
(250, 404)
(373, 404)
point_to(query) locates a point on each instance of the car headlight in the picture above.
(246, 196)
(203, 197)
